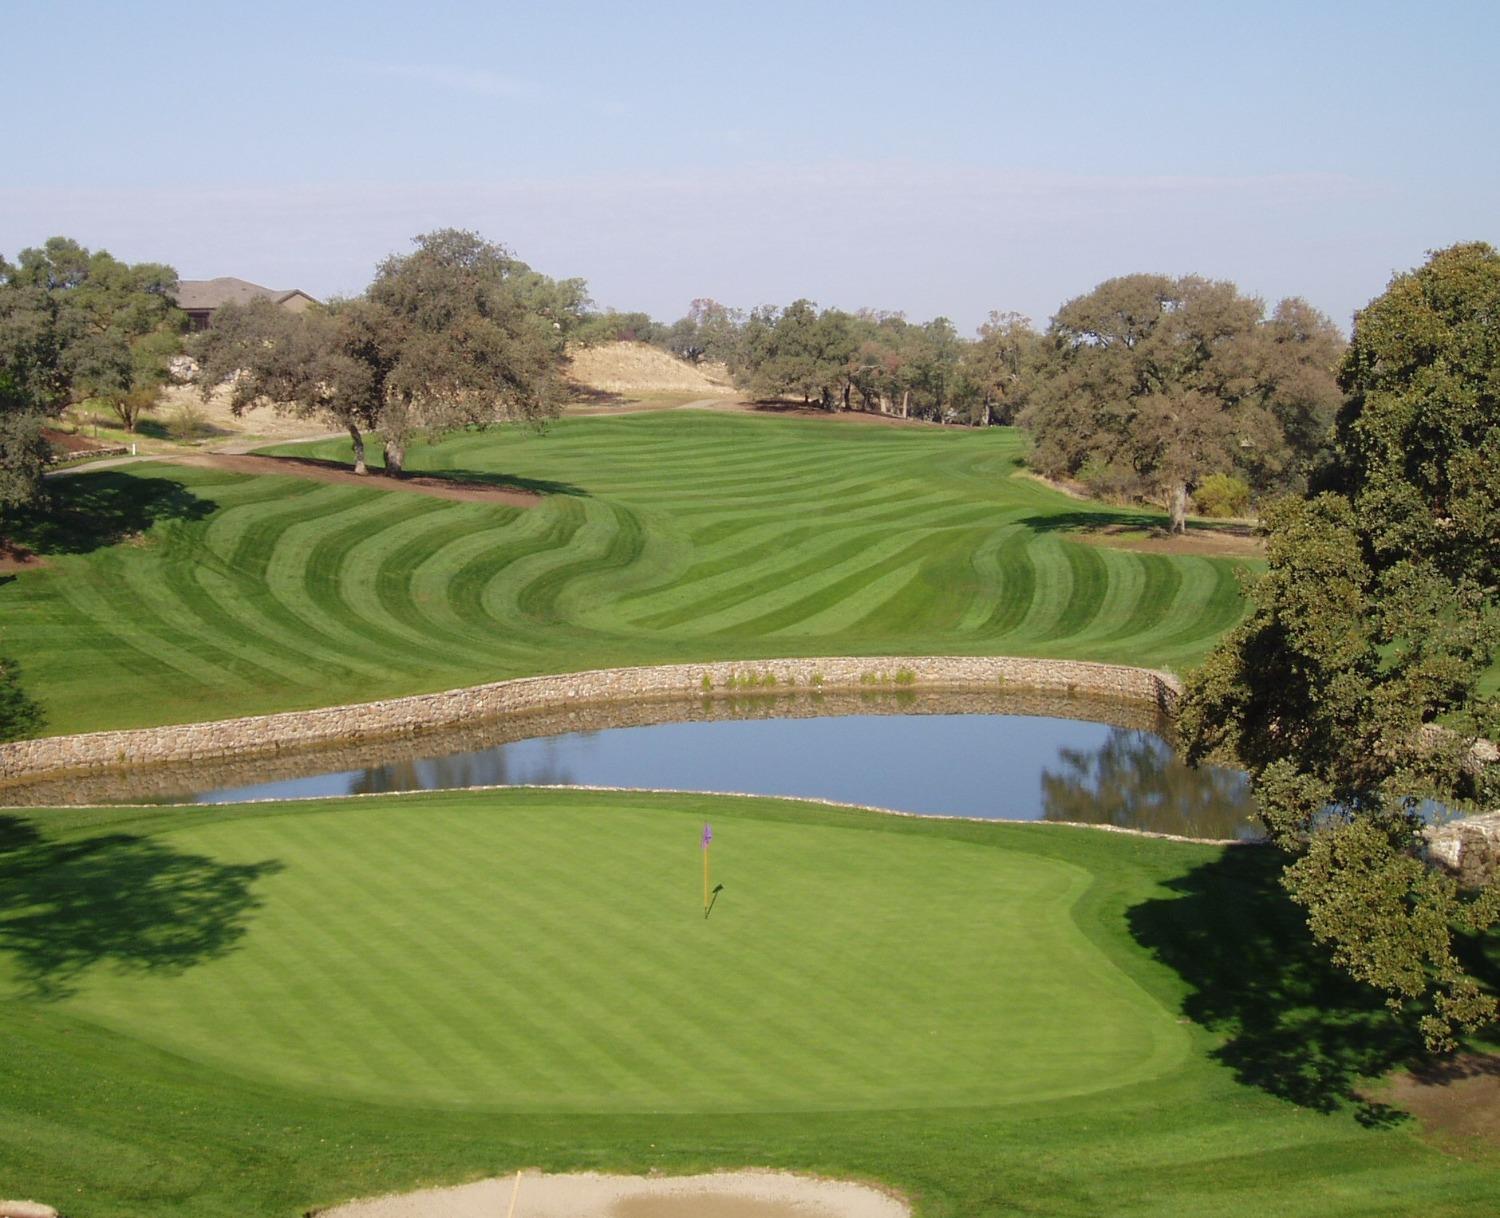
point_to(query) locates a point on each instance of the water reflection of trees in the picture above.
(1136, 781)
(486, 768)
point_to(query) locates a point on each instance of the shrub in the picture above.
(186, 421)
(1222, 495)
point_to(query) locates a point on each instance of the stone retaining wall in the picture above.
(295, 731)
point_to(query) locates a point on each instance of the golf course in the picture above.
(270, 1008)
(261, 1009)
(175, 593)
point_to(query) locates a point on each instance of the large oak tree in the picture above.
(1354, 690)
(457, 332)
(1149, 384)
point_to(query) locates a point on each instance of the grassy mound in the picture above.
(254, 1010)
(175, 594)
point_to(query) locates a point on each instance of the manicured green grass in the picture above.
(254, 1010)
(178, 594)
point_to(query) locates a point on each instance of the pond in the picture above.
(1004, 757)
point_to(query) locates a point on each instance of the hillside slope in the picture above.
(632, 370)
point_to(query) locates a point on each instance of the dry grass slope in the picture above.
(635, 368)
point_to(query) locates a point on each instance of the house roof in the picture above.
(214, 293)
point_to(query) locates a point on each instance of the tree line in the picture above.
(1148, 387)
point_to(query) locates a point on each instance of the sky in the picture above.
(945, 158)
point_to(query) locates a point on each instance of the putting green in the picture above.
(521, 952)
(267, 1009)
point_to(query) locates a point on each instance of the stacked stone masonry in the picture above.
(292, 731)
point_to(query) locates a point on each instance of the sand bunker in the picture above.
(744, 1194)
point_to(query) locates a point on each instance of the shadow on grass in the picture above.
(117, 899)
(90, 511)
(1119, 520)
(459, 477)
(1125, 520)
(1292, 1025)
(539, 486)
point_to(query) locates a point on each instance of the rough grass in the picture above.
(252, 1011)
(176, 594)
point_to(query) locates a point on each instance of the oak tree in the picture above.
(1149, 384)
(1354, 690)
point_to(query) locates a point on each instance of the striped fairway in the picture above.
(531, 951)
(673, 536)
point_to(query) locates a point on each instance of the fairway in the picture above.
(183, 594)
(515, 954)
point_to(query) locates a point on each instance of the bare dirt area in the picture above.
(70, 445)
(332, 471)
(15, 557)
(1227, 541)
(744, 1194)
(1456, 1099)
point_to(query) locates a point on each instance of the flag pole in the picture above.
(708, 836)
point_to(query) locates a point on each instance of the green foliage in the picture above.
(1163, 382)
(117, 324)
(709, 331)
(23, 451)
(73, 325)
(614, 327)
(1222, 495)
(1355, 686)
(457, 333)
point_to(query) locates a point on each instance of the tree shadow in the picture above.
(86, 512)
(1082, 521)
(539, 486)
(116, 899)
(1126, 520)
(580, 394)
(458, 477)
(1291, 1024)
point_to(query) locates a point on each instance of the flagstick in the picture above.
(510, 1212)
(705, 877)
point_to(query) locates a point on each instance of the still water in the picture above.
(998, 766)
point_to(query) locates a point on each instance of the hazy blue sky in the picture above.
(937, 158)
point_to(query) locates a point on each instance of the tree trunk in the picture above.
(395, 457)
(359, 450)
(906, 403)
(1179, 508)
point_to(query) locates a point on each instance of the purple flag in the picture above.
(708, 834)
